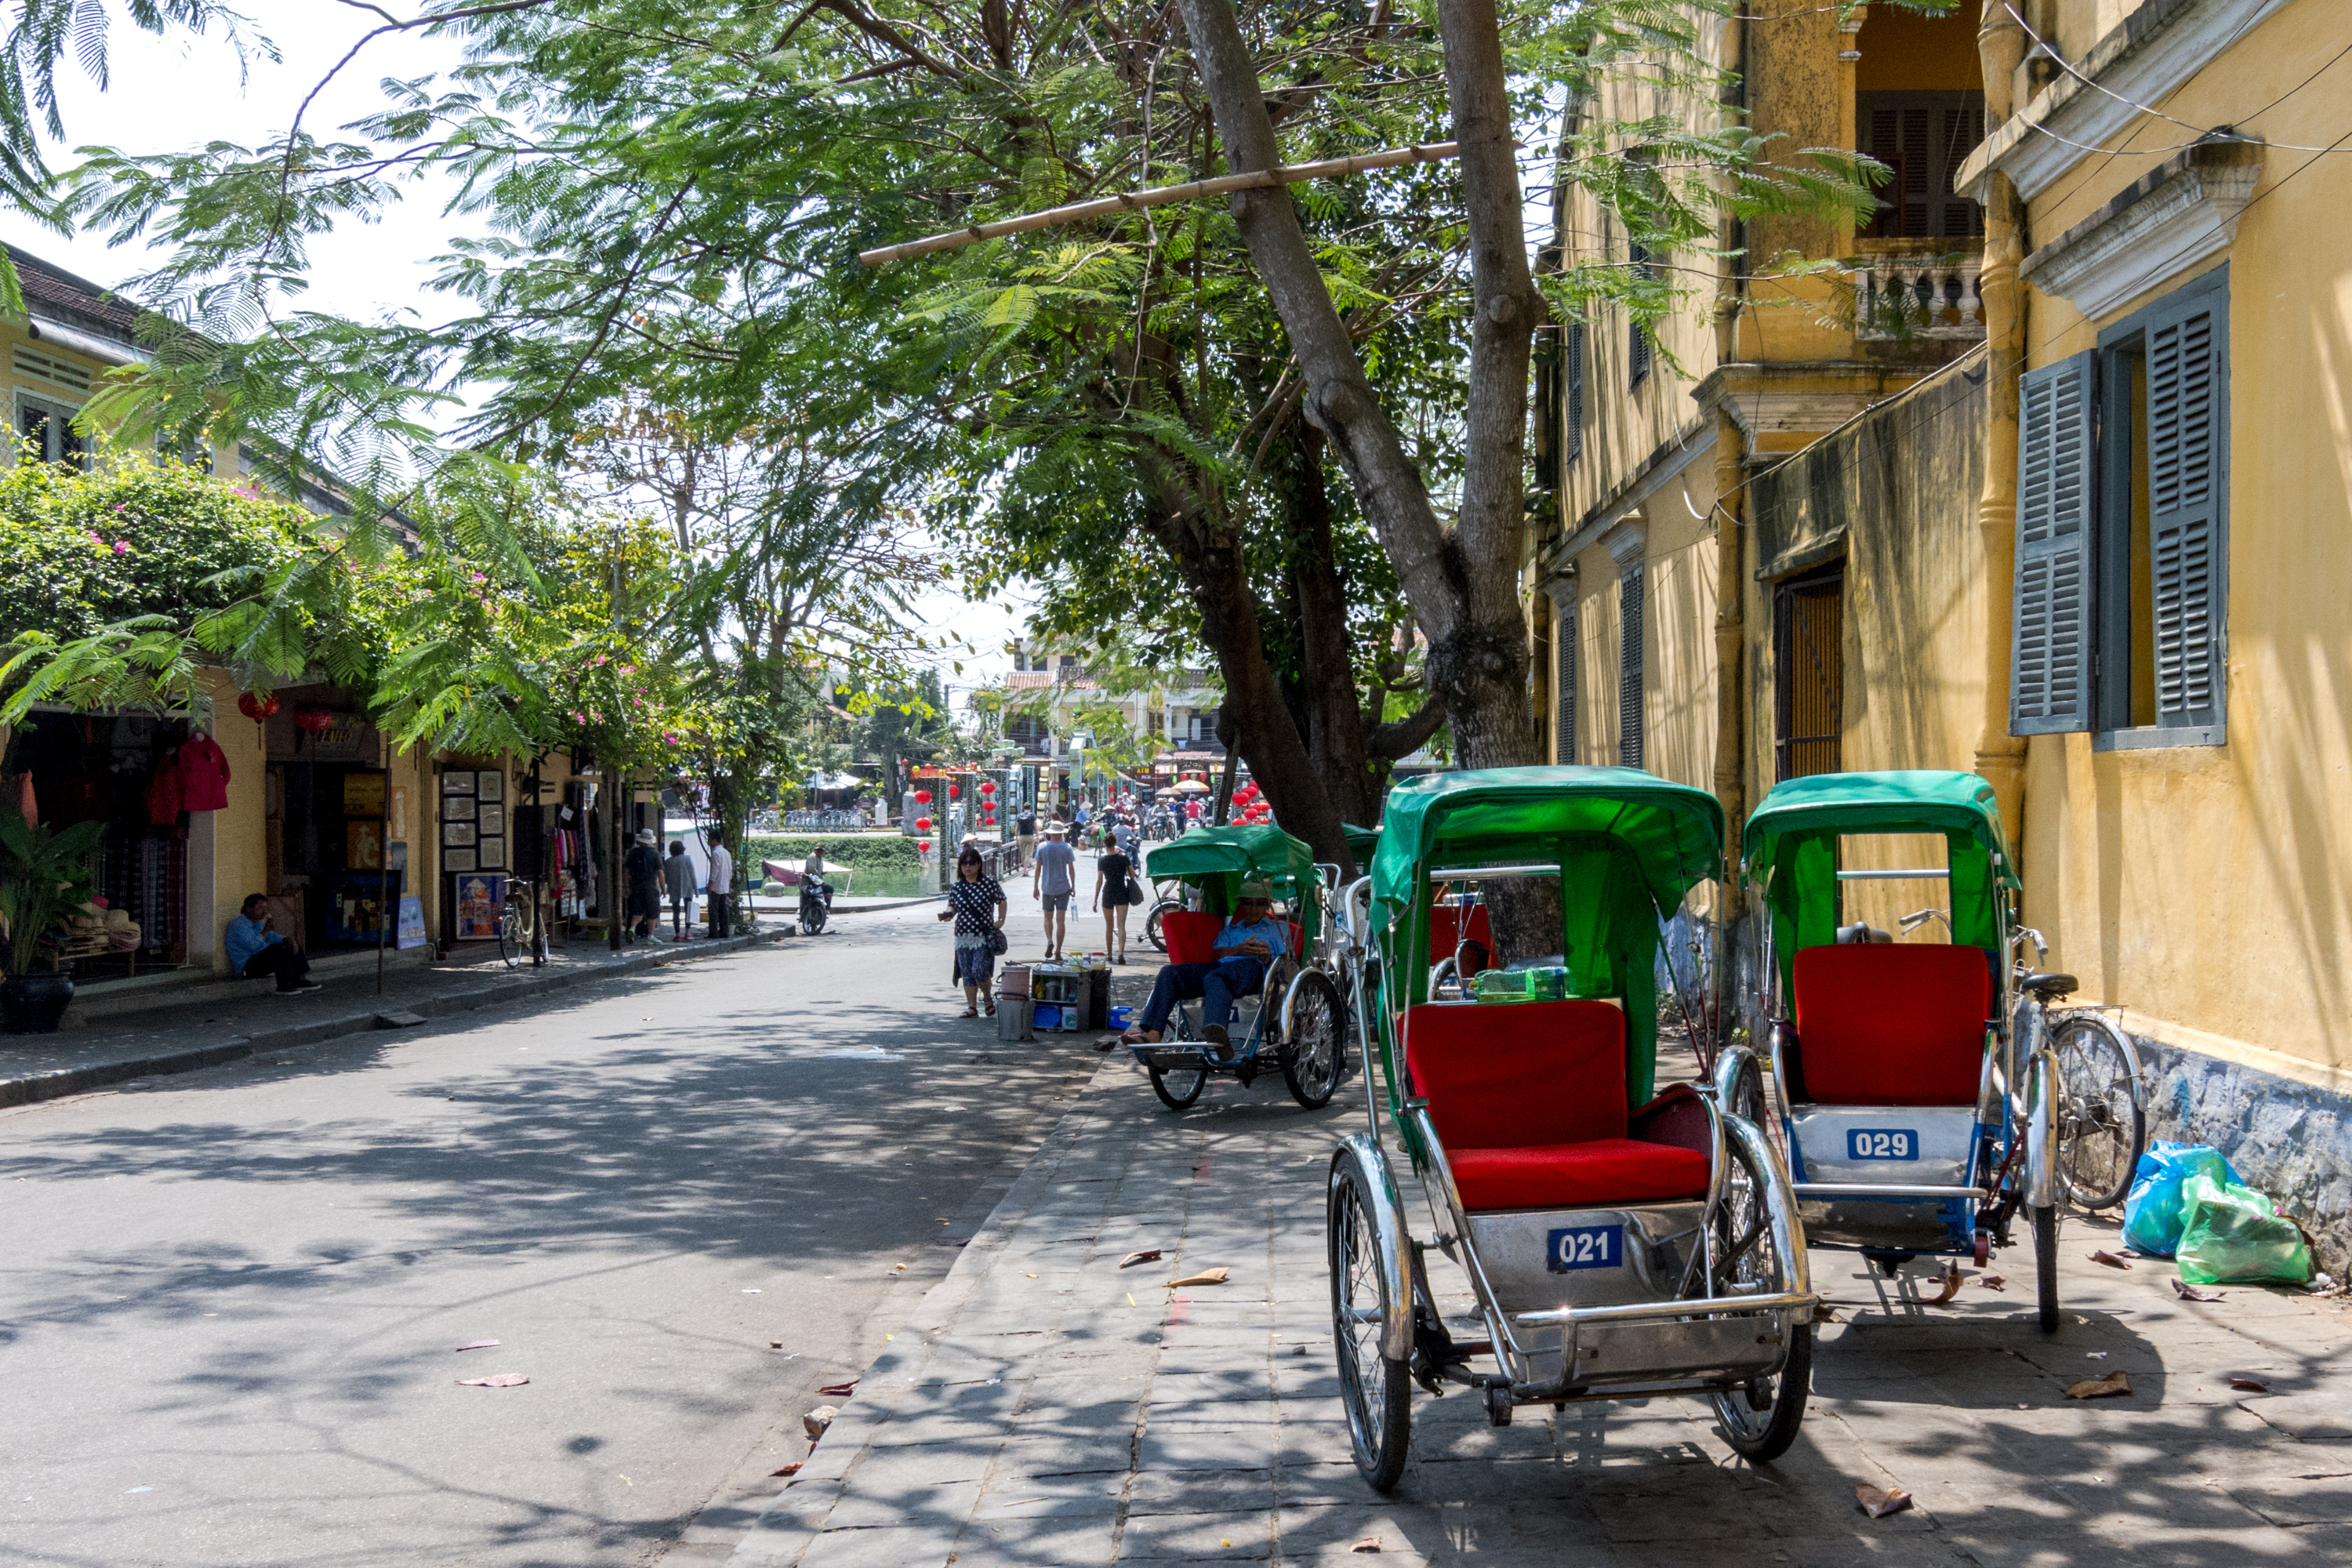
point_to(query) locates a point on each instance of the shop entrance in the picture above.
(327, 870)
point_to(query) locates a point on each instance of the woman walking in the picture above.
(976, 904)
(1114, 874)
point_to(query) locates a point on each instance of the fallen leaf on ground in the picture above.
(2116, 1383)
(775, 1344)
(792, 1470)
(1369, 1543)
(2250, 1385)
(2188, 1292)
(496, 1380)
(1132, 1258)
(1951, 1286)
(840, 1389)
(479, 1345)
(2109, 1258)
(1991, 1281)
(1880, 1501)
(1206, 1276)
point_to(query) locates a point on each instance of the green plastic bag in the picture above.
(2232, 1235)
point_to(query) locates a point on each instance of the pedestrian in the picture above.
(976, 904)
(1025, 836)
(1124, 837)
(721, 887)
(1114, 874)
(1051, 882)
(1239, 959)
(644, 866)
(257, 947)
(677, 876)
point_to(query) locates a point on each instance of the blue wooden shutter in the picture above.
(1575, 442)
(1564, 687)
(2188, 409)
(2049, 646)
(1629, 667)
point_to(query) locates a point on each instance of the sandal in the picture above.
(1137, 1036)
(971, 1012)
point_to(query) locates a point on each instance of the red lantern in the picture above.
(953, 791)
(988, 786)
(922, 797)
(922, 824)
(258, 706)
(311, 718)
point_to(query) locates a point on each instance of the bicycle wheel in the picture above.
(514, 935)
(1311, 1058)
(1760, 1419)
(1376, 1389)
(2102, 1130)
(1151, 933)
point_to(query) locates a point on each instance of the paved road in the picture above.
(230, 1301)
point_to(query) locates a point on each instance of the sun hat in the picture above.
(647, 836)
(1057, 827)
(1259, 890)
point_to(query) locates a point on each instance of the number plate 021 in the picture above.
(1586, 1247)
(1881, 1144)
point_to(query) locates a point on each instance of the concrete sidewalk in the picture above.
(1045, 1406)
(206, 1025)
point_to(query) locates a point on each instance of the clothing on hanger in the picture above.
(204, 772)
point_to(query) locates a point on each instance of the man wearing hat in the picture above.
(1052, 883)
(1251, 938)
(644, 865)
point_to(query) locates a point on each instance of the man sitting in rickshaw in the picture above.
(1243, 950)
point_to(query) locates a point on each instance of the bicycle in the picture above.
(520, 934)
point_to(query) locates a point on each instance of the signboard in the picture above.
(479, 896)
(412, 922)
(363, 794)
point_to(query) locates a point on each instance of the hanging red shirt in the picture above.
(204, 773)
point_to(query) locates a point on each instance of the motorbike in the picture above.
(816, 903)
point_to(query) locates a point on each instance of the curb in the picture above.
(65, 1081)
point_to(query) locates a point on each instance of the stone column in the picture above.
(2000, 756)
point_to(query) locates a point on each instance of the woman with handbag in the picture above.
(1115, 889)
(977, 906)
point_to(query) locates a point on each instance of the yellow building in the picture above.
(2053, 488)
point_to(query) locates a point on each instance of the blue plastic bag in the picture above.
(2152, 1209)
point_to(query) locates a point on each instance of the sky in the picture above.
(169, 94)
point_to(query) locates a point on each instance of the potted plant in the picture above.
(43, 877)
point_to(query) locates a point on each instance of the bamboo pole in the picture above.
(1162, 195)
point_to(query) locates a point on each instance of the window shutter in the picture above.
(1629, 668)
(2050, 647)
(2186, 405)
(1564, 687)
(1575, 442)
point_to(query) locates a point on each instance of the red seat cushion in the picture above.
(1576, 1175)
(1520, 1074)
(1191, 935)
(1891, 1023)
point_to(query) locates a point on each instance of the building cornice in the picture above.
(2152, 51)
(2177, 215)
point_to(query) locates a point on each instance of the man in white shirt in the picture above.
(1052, 881)
(721, 888)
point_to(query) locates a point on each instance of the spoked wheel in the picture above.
(812, 919)
(1177, 1087)
(514, 934)
(1152, 931)
(1759, 1420)
(1310, 1059)
(2045, 1265)
(2102, 1130)
(1377, 1390)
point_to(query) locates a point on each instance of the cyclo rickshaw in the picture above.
(1620, 1242)
(1295, 1019)
(1912, 1126)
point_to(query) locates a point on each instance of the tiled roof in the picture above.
(50, 288)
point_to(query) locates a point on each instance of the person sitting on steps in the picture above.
(1243, 949)
(257, 948)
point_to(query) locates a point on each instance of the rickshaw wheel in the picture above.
(2102, 1130)
(1310, 1059)
(1377, 1390)
(2045, 1265)
(1171, 1084)
(1760, 1432)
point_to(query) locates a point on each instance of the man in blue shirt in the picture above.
(255, 948)
(1243, 950)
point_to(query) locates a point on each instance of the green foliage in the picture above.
(864, 852)
(48, 876)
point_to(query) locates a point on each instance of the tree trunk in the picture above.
(1335, 717)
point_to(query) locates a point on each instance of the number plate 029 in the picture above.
(1881, 1144)
(1586, 1247)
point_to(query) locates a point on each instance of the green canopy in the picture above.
(1218, 859)
(1674, 833)
(1790, 848)
(1629, 846)
(1361, 843)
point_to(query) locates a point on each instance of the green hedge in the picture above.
(877, 852)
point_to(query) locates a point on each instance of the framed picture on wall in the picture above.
(490, 786)
(459, 809)
(456, 860)
(490, 820)
(363, 794)
(458, 835)
(456, 784)
(479, 896)
(491, 854)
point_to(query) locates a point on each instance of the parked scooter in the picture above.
(816, 903)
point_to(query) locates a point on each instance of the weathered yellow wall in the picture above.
(2209, 888)
(240, 854)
